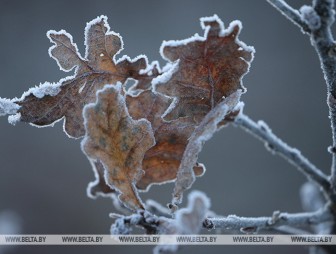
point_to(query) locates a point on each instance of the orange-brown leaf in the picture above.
(209, 68)
(118, 142)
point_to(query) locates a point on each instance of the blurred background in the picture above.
(44, 174)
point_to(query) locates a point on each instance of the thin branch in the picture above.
(276, 145)
(254, 224)
(290, 13)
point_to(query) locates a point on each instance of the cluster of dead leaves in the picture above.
(140, 136)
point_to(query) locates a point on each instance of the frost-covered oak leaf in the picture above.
(118, 142)
(162, 161)
(209, 68)
(99, 67)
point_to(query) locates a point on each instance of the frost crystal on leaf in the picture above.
(8, 107)
(310, 17)
(14, 119)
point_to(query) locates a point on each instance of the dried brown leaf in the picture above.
(118, 142)
(97, 68)
(209, 68)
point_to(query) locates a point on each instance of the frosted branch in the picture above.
(290, 13)
(322, 40)
(277, 146)
(255, 224)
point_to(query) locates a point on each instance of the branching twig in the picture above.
(280, 222)
(290, 13)
(274, 144)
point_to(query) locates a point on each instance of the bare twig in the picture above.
(290, 13)
(251, 225)
(276, 145)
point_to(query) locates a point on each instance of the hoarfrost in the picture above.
(168, 70)
(8, 107)
(14, 119)
(44, 89)
(310, 17)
